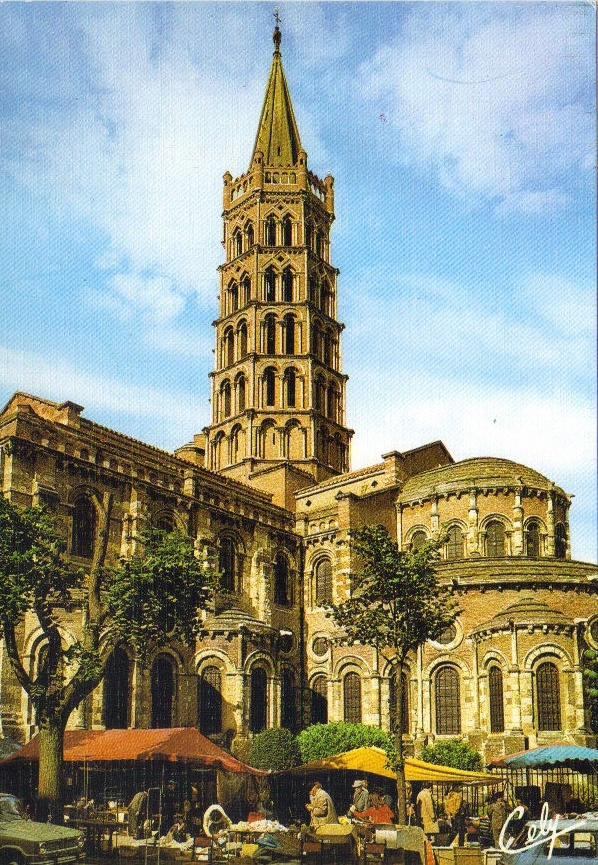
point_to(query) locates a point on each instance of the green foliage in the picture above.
(154, 596)
(324, 740)
(455, 753)
(590, 680)
(396, 601)
(275, 749)
(33, 573)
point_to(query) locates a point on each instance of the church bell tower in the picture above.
(278, 393)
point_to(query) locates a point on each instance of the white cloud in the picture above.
(497, 103)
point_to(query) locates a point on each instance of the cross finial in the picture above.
(276, 16)
(276, 36)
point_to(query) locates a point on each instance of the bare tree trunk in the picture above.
(50, 780)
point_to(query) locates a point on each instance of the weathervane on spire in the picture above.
(276, 36)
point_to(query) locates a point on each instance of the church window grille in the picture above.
(323, 582)
(291, 387)
(84, 519)
(319, 700)
(288, 710)
(227, 564)
(454, 543)
(163, 688)
(418, 539)
(532, 540)
(393, 705)
(287, 285)
(495, 694)
(209, 698)
(448, 702)
(116, 691)
(270, 231)
(287, 231)
(548, 696)
(495, 540)
(242, 339)
(258, 705)
(289, 334)
(270, 334)
(270, 285)
(241, 389)
(352, 698)
(320, 646)
(283, 593)
(269, 383)
(448, 636)
(560, 541)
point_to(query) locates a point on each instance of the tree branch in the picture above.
(13, 653)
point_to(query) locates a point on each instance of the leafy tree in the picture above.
(324, 740)
(396, 604)
(146, 600)
(590, 680)
(455, 753)
(275, 749)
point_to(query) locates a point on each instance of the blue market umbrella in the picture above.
(565, 756)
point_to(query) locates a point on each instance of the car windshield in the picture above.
(10, 808)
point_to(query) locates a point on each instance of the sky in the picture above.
(462, 141)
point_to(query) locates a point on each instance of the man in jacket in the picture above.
(320, 807)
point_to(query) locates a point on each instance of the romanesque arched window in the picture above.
(227, 564)
(241, 393)
(312, 289)
(496, 700)
(454, 543)
(225, 400)
(270, 231)
(323, 581)
(209, 700)
(245, 291)
(249, 234)
(270, 285)
(235, 438)
(288, 708)
(242, 338)
(393, 705)
(269, 386)
(270, 333)
(309, 234)
(327, 348)
(418, 539)
(319, 394)
(327, 299)
(229, 346)
(237, 242)
(283, 588)
(234, 297)
(163, 688)
(116, 691)
(290, 382)
(258, 702)
(287, 231)
(495, 539)
(289, 334)
(287, 285)
(352, 698)
(448, 702)
(532, 539)
(319, 700)
(319, 243)
(548, 696)
(560, 541)
(84, 521)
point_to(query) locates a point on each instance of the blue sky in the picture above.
(461, 138)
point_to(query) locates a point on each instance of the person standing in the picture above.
(498, 814)
(453, 808)
(361, 796)
(425, 809)
(321, 807)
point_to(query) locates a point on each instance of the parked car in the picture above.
(25, 842)
(570, 842)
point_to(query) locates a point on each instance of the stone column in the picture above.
(473, 542)
(550, 521)
(517, 535)
(434, 516)
(399, 518)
